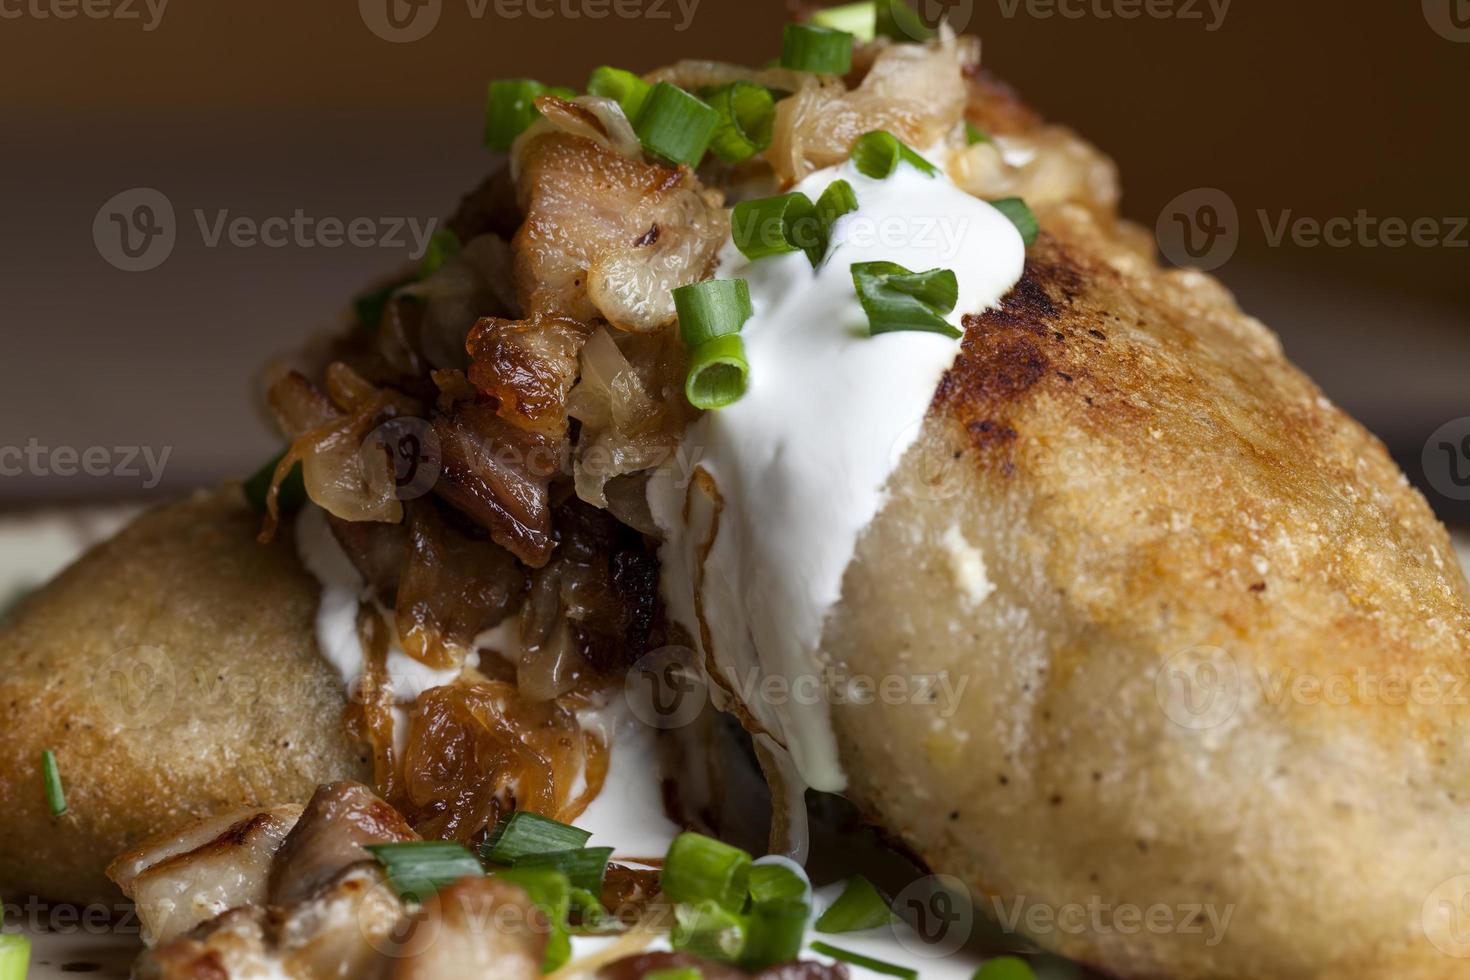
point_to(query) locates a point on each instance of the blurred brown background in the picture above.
(259, 109)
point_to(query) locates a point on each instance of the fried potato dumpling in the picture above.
(174, 672)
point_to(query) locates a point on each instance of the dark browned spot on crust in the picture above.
(1259, 587)
(649, 237)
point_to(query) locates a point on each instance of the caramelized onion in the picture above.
(591, 116)
(529, 367)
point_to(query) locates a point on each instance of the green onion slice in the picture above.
(699, 869)
(292, 494)
(443, 246)
(878, 154)
(747, 115)
(55, 796)
(858, 19)
(675, 125)
(858, 907)
(774, 931)
(1021, 216)
(813, 48)
(898, 20)
(521, 833)
(773, 882)
(709, 930)
(550, 892)
(774, 225)
(896, 299)
(583, 867)
(678, 973)
(838, 199)
(1005, 968)
(622, 86)
(713, 308)
(719, 373)
(15, 956)
(510, 110)
(866, 962)
(417, 869)
(974, 134)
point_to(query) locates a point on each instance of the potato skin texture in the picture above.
(174, 671)
(1146, 475)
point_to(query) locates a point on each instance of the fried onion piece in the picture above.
(529, 366)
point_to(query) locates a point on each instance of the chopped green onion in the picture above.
(708, 930)
(699, 868)
(55, 797)
(858, 907)
(719, 373)
(774, 931)
(550, 892)
(622, 86)
(417, 869)
(712, 308)
(583, 867)
(898, 20)
(678, 973)
(443, 246)
(774, 882)
(747, 115)
(15, 955)
(510, 110)
(878, 154)
(1021, 216)
(838, 199)
(975, 135)
(858, 19)
(521, 833)
(371, 306)
(866, 962)
(774, 225)
(1005, 968)
(292, 494)
(896, 299)
(809, 47)
(675, 125)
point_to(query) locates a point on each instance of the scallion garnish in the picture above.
(858, 907)
(55, 797)
(838, 199)
(675, 125)
(719, 373)
(292, 494)
(858, 19)
(975, 135)
(622, 86)
(443, 246)
(775, 225)
(810, 47)
(510, 110)
(773, 934)
(521, 833)
(698, 869)
(371, 306)
(878, 154)
(866, 962)
(896, 299)
(1005, 968)
(709, 930)
(898, 20)
(15, 956)
(417, 869)
(776, 882)
(551, 893)
(712, 308)
(747, 115)
(1021, 216)
(583, 867)
(678, 973)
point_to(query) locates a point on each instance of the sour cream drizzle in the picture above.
(802, 461)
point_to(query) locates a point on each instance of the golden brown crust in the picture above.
(174, 671)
